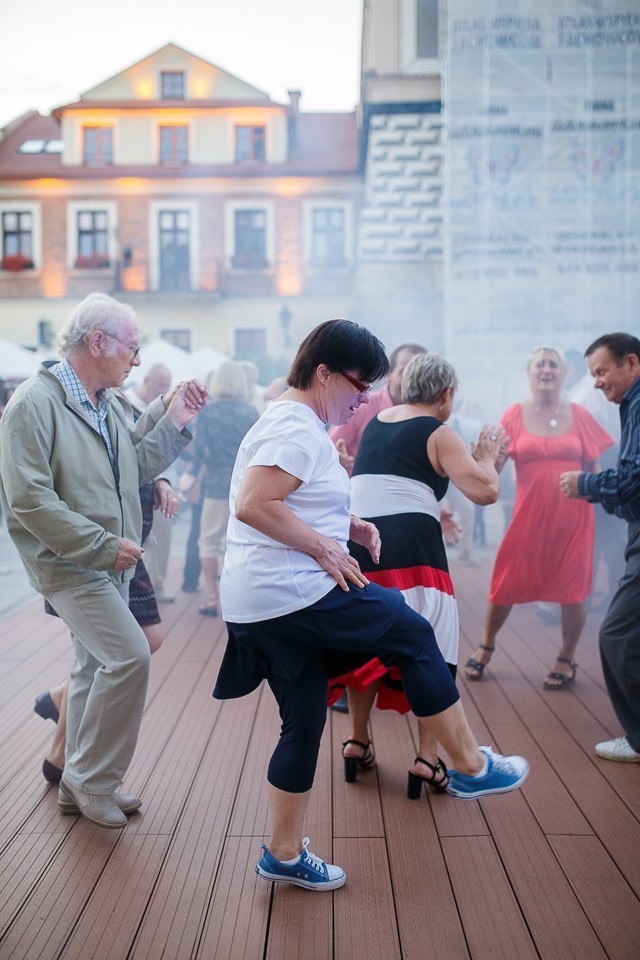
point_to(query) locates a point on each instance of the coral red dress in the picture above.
(547, 550)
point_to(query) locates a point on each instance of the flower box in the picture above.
(16, 262)
(92, 261)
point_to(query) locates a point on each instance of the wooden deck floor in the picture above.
(551, 872)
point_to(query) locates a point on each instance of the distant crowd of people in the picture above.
(321, 514)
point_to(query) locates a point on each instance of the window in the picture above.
(98, 145)
(178, 336)
(251, 343)
(328, 237)
(250, 232)
(172, 85)
(41, 146)
(93, 240)
(173, 145)
(419, 39)
(427, 29)
(17, 240)
(250, 143)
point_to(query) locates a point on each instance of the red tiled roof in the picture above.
(326, 144)
(31, 126)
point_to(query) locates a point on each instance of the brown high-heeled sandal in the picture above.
(438, 781)
(365, 762)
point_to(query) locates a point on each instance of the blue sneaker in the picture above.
(308, 871)
(503, 775)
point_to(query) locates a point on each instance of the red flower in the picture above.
(16, 262)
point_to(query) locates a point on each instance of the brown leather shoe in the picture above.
(101, 810)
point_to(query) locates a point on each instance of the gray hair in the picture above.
(98, 311)
(426, 377)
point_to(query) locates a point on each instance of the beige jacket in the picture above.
(65, 507)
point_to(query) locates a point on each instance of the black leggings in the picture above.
(409, 644)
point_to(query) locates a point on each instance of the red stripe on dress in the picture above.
(413, 577)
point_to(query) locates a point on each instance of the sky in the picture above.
(51, 52)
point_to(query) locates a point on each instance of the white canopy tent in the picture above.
(206, 360)
(178, 361)
(16, 363)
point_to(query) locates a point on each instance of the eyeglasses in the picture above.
(358, 384)
(134, 350)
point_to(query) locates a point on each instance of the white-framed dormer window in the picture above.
(421, 36)
(172, 85)
(327, 234)
(20, 236)
(249, 234)
(91, 234)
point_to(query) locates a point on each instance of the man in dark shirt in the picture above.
(614, 363)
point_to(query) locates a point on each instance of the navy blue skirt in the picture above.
(348, 629)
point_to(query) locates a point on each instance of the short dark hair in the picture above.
(413, 348)
(619, 345)
(341, 345)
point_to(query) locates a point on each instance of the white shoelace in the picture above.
(310, 858)
(499, 763)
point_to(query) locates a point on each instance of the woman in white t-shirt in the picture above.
(299, 610)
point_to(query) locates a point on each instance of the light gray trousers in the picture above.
(108, 684)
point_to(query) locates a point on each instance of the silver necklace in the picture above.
(553, 421)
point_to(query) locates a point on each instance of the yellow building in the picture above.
(226, 219)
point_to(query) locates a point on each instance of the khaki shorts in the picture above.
(213, 528)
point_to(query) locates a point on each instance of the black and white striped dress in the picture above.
(395, 487)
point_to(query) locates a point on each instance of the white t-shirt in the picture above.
(263, 578)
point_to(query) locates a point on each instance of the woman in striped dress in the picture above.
(402, 471)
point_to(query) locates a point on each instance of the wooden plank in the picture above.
(553, 913)
(48, 918)
(605, 897)
(177, 911)
(365, 922)
(492, 919)
(113, 912)
(238, 918)
(428, 918)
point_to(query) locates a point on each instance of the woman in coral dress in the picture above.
(547, 551)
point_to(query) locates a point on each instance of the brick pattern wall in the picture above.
(402, 214)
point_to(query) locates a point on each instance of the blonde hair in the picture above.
(228, 382)
(558, 354)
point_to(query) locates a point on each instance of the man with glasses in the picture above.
(70, 472)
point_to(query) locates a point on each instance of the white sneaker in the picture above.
(618, 749)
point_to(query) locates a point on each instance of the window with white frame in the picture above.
(327, 233)
(19, 236)
(421, 36)
(91, 229)
(174, 145)
(172, 85)
(328, 236)
(250, 143)
(97, 149)
(17, 240)
(249, 241)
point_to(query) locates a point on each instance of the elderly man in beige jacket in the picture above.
(70, 471)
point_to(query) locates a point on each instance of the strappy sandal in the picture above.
(365, 762)
(438, 781)
(476, 665)
(564, 679)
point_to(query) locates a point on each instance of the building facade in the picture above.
(225, 218)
